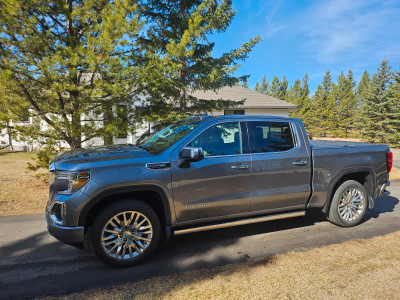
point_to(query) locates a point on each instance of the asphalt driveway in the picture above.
(33, 264)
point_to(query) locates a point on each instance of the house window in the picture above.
(233, 112)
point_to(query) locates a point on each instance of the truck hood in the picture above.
(100, 153)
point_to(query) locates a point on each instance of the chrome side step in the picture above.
(241, 222)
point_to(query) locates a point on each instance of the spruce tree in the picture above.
(262, 87)
(376, 107)
(274, 88)
(283, 86)
(393, 113)
(345, 100)
(362, 89)
(322, 107)
(177, 45)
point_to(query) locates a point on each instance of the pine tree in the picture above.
(293, 95)
(70, 62)
(393, 113)
(274, 87)
(344, 97)
(263, 86)
(322, 107)
(376, 106)
(362, 89)
(176, 45)
(283, 86)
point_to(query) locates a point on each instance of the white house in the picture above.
(255, 104)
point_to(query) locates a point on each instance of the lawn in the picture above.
(360, 269)
(22, 193)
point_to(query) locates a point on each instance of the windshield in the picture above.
(165, 138)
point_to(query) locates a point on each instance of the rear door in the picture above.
(280, 166)
(218, 185)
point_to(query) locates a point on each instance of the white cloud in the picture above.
(339, 31)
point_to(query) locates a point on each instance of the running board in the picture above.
(241, 222)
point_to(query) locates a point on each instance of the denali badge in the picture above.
(158, 166)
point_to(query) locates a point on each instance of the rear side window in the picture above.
(221, 139)
(270, 136)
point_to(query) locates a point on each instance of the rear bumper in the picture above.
(68, 235)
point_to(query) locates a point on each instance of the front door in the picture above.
(218, 185)
(280, 164)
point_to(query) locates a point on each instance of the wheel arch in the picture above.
(152, 195)
(365, 176)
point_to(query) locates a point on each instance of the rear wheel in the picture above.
(125, 233)
(349, 204)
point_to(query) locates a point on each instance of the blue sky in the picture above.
(311, 37)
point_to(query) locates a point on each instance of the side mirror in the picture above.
(310, 137)
(190, 154)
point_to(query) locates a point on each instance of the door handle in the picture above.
(240, 167)
(299, 163)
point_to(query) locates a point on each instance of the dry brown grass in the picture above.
(394, 174)
(21, 192)
(361, 269)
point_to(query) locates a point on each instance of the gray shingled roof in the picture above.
(252, 99)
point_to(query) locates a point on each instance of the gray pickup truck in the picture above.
(205, 173)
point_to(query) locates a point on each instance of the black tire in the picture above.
(349, 204)
(126, 240)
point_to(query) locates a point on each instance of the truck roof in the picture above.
(241, 117)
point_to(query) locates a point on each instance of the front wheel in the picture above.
(349, 204)
(125, 233)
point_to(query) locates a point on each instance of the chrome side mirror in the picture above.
(190, 154)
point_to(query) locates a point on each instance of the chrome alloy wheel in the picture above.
(126, 235)
(351, 204)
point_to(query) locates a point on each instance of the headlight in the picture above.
(67, 183)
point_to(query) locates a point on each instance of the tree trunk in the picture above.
(9, 132)
(182, 79)
(76, 131)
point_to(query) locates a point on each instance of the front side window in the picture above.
(220, 139)
(270, 136)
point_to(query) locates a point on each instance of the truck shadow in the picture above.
(382, 205)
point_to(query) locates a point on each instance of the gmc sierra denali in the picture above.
(204, 173)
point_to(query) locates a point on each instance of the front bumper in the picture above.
(68, 235)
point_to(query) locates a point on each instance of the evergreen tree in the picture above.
(70, 62)
(176, 45)
(294, 93)
(362, 89)
(263, 86)
(393, 113)
(322, 107)
(274, 88)
(345, 100)
(376, 106)
(304, 100)
(283, 86)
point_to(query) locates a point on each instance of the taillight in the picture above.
(389, 160)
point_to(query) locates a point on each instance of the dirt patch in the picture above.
(361, 269)
(21, 193)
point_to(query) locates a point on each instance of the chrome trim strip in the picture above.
(241, 222)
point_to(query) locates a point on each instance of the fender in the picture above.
(115, 190)
(340, 176)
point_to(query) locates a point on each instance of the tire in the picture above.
(125, 233)
(349, 204)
